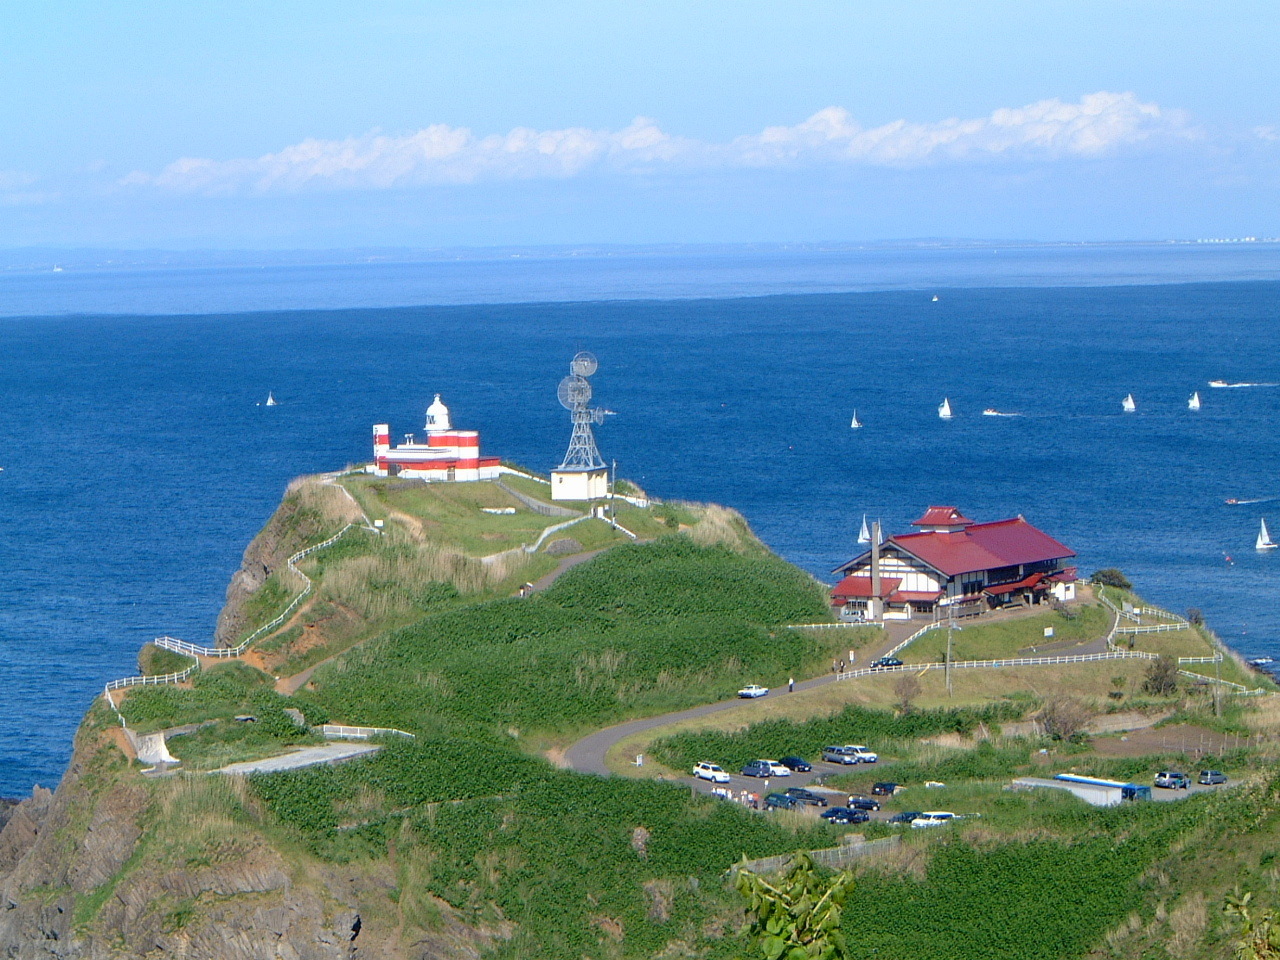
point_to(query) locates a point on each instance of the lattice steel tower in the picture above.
(575, 393)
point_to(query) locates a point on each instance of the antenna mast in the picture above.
(575, 395)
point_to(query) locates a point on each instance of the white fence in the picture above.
(148, 681)
(335, 731)
(1153, 628)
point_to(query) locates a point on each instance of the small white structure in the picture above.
(445, 455)
(580, 484)
(1093, 791)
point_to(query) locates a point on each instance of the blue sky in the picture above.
(437, 124)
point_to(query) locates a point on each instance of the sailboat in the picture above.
(1128, 405)
(935, 298)
(944, 409)
(1194, 402)
(271, 400)
(855, 423)
(1264, 538)
(864, 535)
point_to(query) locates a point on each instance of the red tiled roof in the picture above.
(915, 596)
(851, 587)
(1030, 581)
(941, 517)
(983, 546)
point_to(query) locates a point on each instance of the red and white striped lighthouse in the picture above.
(448, 454)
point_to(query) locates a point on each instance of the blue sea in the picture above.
(138, 459)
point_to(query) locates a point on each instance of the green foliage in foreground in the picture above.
(156, 661)
(798, 916)
(854, 724)
(641, 629)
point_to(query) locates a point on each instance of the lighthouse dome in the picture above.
(437, 416)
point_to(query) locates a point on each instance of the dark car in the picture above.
(863, 803)
(844, 815)
(884, 789)
(796, 764)
(757, 768)
(801, 795)
(1172, 780)
(886, 662)
(1211, 778)
(780, 801)
(906, 816)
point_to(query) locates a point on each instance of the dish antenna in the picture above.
(574, 393)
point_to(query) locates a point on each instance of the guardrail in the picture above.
(1153, 628)
(148, 681)
(1161, 612)
(334, 731)
(936, 625)
(828, 857)
(191, 649)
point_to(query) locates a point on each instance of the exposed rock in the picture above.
(563, 547)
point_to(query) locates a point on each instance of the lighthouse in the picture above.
(446, 454)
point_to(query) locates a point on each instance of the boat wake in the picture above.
(992, 412)
(1232, 501)
(1222, 384)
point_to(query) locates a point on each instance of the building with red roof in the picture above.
(954, 565)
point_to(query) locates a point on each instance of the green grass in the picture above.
(976, 640)
(216, 692)
(231, 741)
(641, 629)
(156, 661)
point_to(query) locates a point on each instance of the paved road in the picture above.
(308, 757)
(588, 754)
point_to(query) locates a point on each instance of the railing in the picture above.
(335, 731)
(1153, 628)
(1162, 613)
(1102, 595)
(148, 681)
(824, 626)
(915, 636)
(537, 506)
(828, 857)
(191, 649)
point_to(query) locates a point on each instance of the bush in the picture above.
(1111, 577)
(1162, 677)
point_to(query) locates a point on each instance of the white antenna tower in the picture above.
(575, 393)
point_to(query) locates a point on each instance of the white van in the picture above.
(933, 818)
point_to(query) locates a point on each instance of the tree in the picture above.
(1111, 577)
(1195, 617)
(798, 918)
(906, 690)
(1162, 676)
(1117, 682)
(1063, 717)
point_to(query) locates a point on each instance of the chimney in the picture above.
(873, 605)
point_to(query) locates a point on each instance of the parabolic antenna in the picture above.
(583, 364)
(574, 391)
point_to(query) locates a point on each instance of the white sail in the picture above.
(855, 423)
(271, 400)
(864, 535)
(1264, 538)
(935, 298)
(944, 409)
(1194, 402)
(1128, 405)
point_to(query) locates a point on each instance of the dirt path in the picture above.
(568, 563)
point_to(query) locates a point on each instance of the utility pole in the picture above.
(1217, 687)
(613, 494)
(951, 625)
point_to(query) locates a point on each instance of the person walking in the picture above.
(791, 685)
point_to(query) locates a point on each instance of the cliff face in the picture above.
(113, 867)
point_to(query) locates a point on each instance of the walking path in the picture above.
(308, 757)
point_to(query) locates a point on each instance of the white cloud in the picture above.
(1099, 124)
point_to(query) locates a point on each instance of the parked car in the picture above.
(777, 769)
(886, 662)
(933, 818)
(843, 815)
(801, 795)
(780, 801)
(797, 764)
(907, 816)
(751, 691)
(764, 768)
(1172, 780)
(1211, 778)
(710, 771)
(857, 802)
(849, 753)
(884, 789)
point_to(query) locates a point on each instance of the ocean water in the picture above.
(138, 461)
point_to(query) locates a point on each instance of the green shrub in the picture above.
(1111, 577)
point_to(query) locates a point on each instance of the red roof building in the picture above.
(953, 562)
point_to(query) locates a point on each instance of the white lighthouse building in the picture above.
(445, 454)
